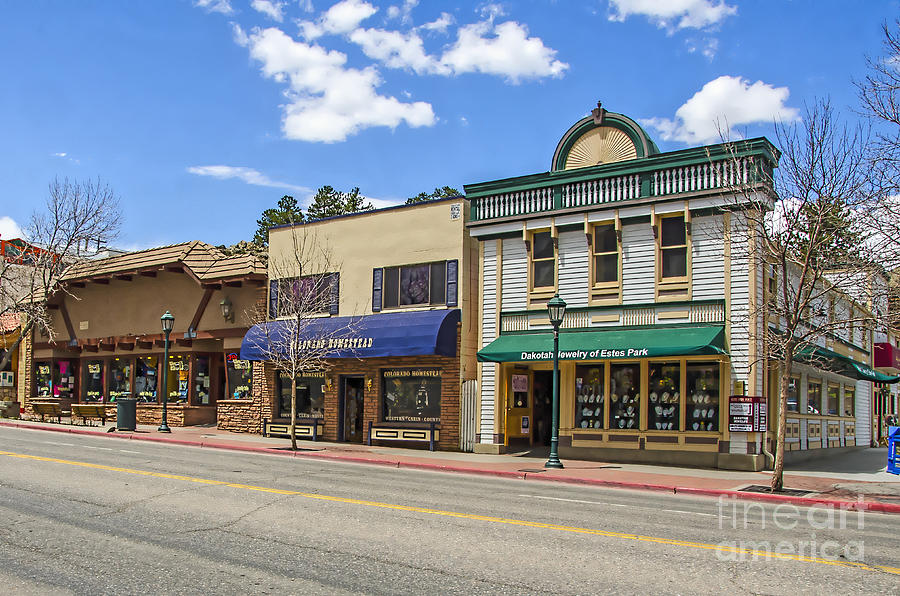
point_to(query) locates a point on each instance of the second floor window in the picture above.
(673, 247)
(543, 261)
(606, 254)
(422, 284)
(312, 294)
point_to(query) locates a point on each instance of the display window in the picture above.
(239, 376)
(849, 400)
(177, 381)
(624, 396)
(703, 398)
(590, 397)
(834, 398)
(145, 378)
(64, 379)
(793, 394)
(202, 380)
(411, 395)
(310, 395)
(664, 405)
(43, 378)
(119, 381)
(92, 381)
(814, 397)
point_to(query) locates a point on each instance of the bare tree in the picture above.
(290, 338)
(74, 215)
(800, 226)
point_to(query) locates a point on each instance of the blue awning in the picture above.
(418, 333)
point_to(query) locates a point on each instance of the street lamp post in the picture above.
(557, 310)
(168, 322)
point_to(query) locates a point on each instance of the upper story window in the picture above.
(307, 295)
(673, 247)
(606, 254)
(423, 284)
(543, 261)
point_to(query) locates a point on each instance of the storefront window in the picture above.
(703, 396)
(44, 379)
(834, 397)
(240, 377)
(850, 400)
(624, 396)
(665, 397)
(145, 373)
(814, 397)
(177, 381)
(63, 379)
(411, 395)
(92, 381)
(119, 385)
(793, 396)
(589, 398)
(310, 395)
(201, 380)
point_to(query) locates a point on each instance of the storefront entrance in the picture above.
(351, 405)
(543, 407)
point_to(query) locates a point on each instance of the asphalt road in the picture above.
(93, 516)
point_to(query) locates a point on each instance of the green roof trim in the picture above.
(608, 344)
(843, 365)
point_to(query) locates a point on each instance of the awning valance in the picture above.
(611, 344)
(420, 333)
(842, 365)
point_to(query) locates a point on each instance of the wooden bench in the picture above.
(92, 411)
(429, 435)
(302, 430)
(47, 408)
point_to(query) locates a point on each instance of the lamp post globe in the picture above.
(556, 308)
(168, 322)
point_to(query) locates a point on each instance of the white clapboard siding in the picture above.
(863, 413)
(740, 296)
(638, 264)
(707, 258)
(488, 334)
(573, 269)
(759, 323)
(514, 275)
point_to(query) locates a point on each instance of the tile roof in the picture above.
(205, 262)
(9, 322)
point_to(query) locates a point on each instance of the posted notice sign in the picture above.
(747, 414)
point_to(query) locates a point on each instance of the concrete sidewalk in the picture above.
(856, 479)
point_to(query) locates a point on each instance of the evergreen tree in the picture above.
(329, 202)
(445, 192)
(287, 212)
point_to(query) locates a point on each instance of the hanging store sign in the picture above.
(747, 414)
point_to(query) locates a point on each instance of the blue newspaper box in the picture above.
(894, 450)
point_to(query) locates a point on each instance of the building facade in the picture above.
(400, 320)
(658, 266)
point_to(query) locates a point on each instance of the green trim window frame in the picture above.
(420, 284)
(542, 261)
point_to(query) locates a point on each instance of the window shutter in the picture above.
(452, 282)
(376, 289)
(273, 299)
(335, 293)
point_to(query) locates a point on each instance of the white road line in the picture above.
(126, 451)
(616, 505)
(55, 443)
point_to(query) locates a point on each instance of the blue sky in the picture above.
(208, 111)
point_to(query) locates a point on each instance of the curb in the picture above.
(873, 506)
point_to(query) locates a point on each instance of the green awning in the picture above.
(603, 345)
(842, 365)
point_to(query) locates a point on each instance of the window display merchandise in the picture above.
(590, 401)
(665, 397)
(411, 395)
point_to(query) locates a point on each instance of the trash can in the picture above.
(893, 465)
(126, 414)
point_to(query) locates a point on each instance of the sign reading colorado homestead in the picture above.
(336, 343)
(588, 354)
(411, 394)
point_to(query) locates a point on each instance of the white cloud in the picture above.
(343, 17)
(239, 35)
(504, 50)
(219, 6)
(440, 24)
(402, 12)
(674, 14)
(726, 101)
(9, 229)
(397, 50)
(271, 8)
(65, 156)
(492, 10)
(328, 101)
(248, 175)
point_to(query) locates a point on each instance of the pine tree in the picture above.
(287, 212)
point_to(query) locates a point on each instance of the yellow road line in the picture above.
(483, 518)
